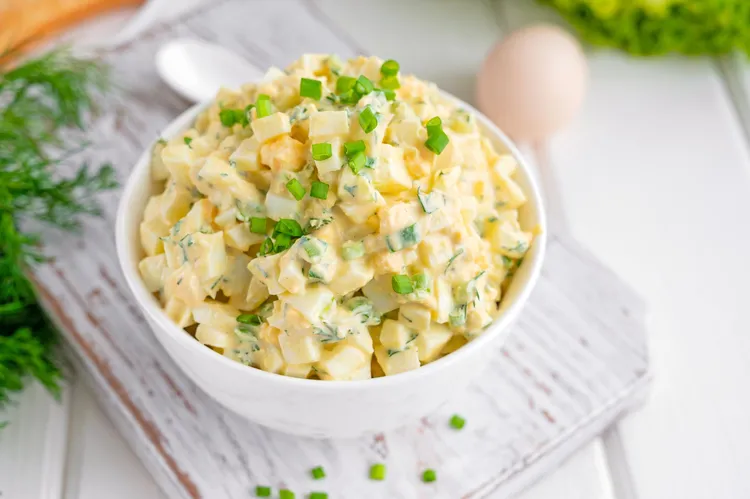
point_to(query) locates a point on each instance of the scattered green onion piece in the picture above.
(429, 476)
(377, 472)
(310, 88)
(390, 82)
(283, 242)
(434, 125)
(363, 85)
(351, 250)
(288, 226)
(321, 151)
(318, 473)
(357, 162)
(390, 95)
(344, 84)
(402, 284)
(457, 422)
(389, 67)
(258, 225)
(251, 319)
(458, 316)
(367, 119)
(227, 117)
(318, 495)
(319, 190)
(266, 247)
(351, 148)
(262, 491)
(187, 140)
(295, 189)
(349, 97)
(311, 248)
(437, 142)
(421, 281)
(286, 494)
(263, 106)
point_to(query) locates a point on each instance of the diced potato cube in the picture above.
(397, 216)
(436, 250)
(395, 362)
(178, 159)
(478, 319)
(291, 276)
(363, 372)
(266, 270)
(198, 219)
(390, 175)
(152, 270)
(444, 295)
(238, 236)
(278, 206)
(214, 336)
(271, 126)
(342, 361)
(395, 262)
(270, 359)
(407, 132)
(237, 277)
(360, 212)
(361, 339)
(299, 349)
(380, 293)
(352, 275)
(431, 342)
(395, 335)
(509, 192)
(297, 370)
(245, 158)
(508, 240)
(415, 316)
(312, 304)
(184, 284)
(256, 294)
(226, 217)
(504, 166)
(159, 172)
(151, 234)
(211, 256)
(328, 123)
(283, 153)
(179, 312)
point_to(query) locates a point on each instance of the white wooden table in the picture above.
(654, 177)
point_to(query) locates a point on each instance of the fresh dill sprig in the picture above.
(41, 101)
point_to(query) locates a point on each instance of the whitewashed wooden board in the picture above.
(576, 361)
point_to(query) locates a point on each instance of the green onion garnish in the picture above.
(187, 140)
(402, 284)
(266, 247)
(310, 88)
(390, 95)
(286, 494)
(321, 151)
(390, 82)
(262, 491)
(457, 422)
(437, 142)
(288, 226)
(349, 97)
(227, 117)
(429, 476)
(283, 242)
(363, 85)
(263, 106)
(367, 120)
(319, 190)
(258, 225)
(318, 495)
(389, 67)
(351, 250)
(357, 162)
(344, 84)
(377, 472)
(251, 319)
(434, 125)
(311, 248)
(421, 281)
(351, 148)
(295, 189)
(318, 473)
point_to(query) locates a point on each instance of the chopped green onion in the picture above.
(457, 422)
(389, 67)
(227, 117)
(458, 316)
(251, 319)
(349, 97)
(402, 284)
(263, 106)
(258, 225)
(286, 494)
(421, 282)
(318, 473)
(318, 495)
(344, 84)
(377, 472)
(363, 85)
(351, 148)
(288, 226)
(314, 247)
(295, 189)
(319, 190)
(283, 242)
(310, 88)
(321, 151)
(266, 247)
(357, 162)
(187, 140)
(437, 142)
(368, 120)
(434, 125)
(429, 476)
(390, 82)
(390, 95)
(261, 491)
(351, 250)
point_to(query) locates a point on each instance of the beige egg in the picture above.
(533, 82)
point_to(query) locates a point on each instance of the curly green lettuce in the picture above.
(656, 27)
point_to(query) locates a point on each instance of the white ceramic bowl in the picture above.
(326, 408)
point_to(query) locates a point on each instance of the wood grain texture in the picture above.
(575, 362)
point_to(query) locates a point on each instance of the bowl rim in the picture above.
(148, 304)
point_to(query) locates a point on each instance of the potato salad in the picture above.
(337, 220)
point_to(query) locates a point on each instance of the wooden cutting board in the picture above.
(575, 362)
